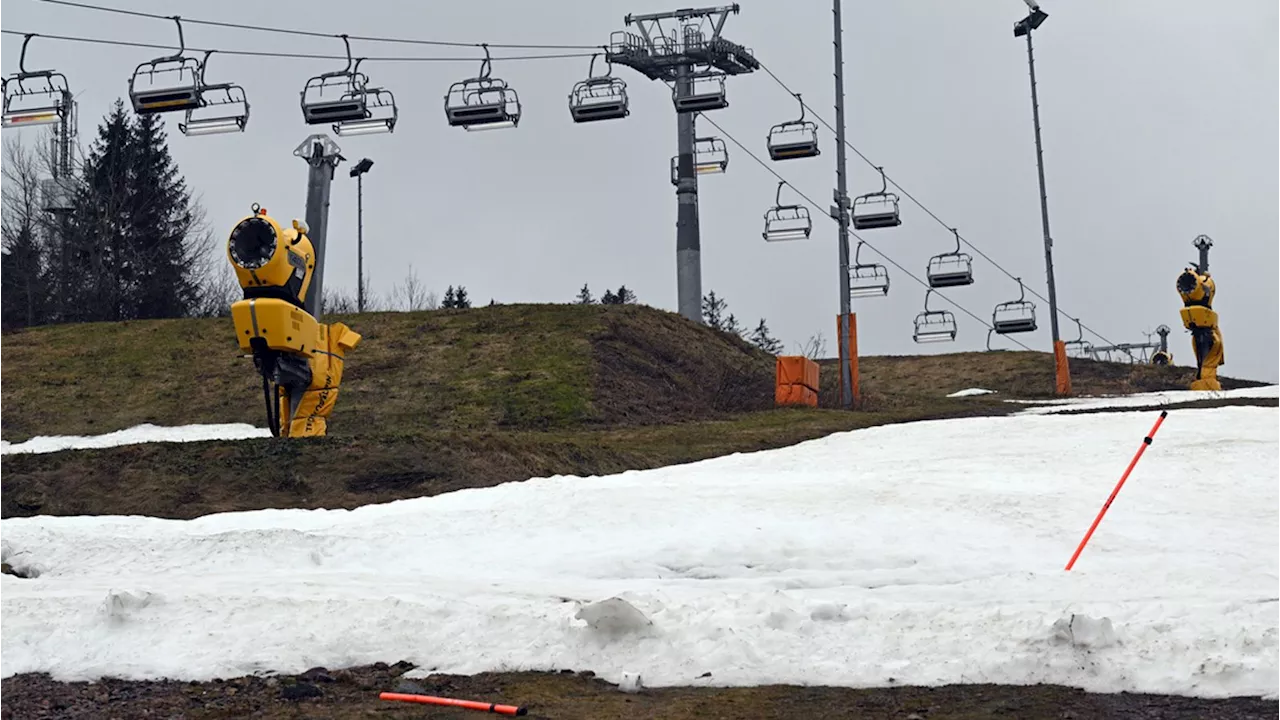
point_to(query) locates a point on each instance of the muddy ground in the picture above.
(568, 695)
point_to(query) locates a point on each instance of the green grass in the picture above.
(440, 400)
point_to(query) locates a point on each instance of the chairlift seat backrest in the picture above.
(1015, 325)
(347, 108)
(871, 212)
(481, 101)
(795, 139)
(701, 103)
(787, 222)
(934, 326)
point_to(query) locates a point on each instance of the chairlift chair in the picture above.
(346, 89)
(786, 222)
(869, 279)
(951, 269)
(228, 108)
(934, 325)
(482, 102)
(794, 138)
(706, 92)
(34, 97)
(599, 97)
(877, 209)
(1080, 346)
(710, 156)
(1015, 316)
(162, 92)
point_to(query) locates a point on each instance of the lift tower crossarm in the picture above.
(688, 13)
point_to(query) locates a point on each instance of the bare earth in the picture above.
(353, 693)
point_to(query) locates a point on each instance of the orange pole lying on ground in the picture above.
(1146, 441)
(451, 702)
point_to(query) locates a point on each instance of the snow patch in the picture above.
(971, 391)
(928, 552)
(1151, 399)
(146, 433)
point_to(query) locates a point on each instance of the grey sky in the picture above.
(1159, 121)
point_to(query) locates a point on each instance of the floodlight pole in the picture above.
(357, 172)
(653, 55)
(841, 212)
(322, 155)
(1025, 27)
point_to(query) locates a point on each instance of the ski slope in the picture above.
(925, 553)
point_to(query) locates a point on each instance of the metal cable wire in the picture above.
(311, 33)
(815, 206)
(930, 213)
(300, 56)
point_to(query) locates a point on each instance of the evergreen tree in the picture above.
(460, 300)
(161, 242)
(133, 248)
(713, 311)
(100, 273)
(761, 338)
(584, 295)
(608, 298)
(731, 325)
(625, 296)
(450, 299)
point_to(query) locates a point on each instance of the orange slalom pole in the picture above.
(452, 702)
(1146, 441)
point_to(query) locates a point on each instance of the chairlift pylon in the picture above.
(950, 269)
(1014, 316)
(710, 156)
(229, 107)
(182, 93)
(794, 138)
(34, 97)
(786, 222)
(482, 102)
(934, 325)
(601, 97)
(351, 104)
(876, 209)
(706, 92)
(869, 279)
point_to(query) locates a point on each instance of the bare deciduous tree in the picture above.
(815, 347)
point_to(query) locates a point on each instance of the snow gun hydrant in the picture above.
(1197, 289)
(300, 359)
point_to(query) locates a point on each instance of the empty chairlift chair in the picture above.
(794, 138)
(482, 102)
(34, 97)
(344, 98)
(599, 98)
(166, 84)
(706, 92)
(1015, 316)
(934, 325)
(224, 108)
(710, 156)
(877, 209)
(786, 222)
(1080, 346)
(869, 279)
(950, 269)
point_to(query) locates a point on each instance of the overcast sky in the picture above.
(1159, 121)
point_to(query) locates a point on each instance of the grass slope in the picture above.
(441, 400)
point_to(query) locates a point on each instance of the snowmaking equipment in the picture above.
(1197, 289)
(299, 358)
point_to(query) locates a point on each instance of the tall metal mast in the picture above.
(1024, 27)
(840, 211)
(683, 58)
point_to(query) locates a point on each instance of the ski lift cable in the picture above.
(298, 56)
(818, 208)
(312, 33)
(1062, 311)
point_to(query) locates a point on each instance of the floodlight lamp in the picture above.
(361, 167)
(1030, 22)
